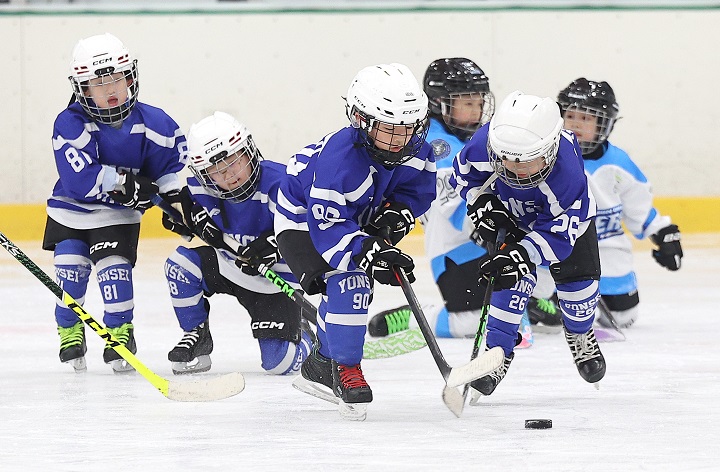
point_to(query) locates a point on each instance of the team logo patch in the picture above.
(441, 148)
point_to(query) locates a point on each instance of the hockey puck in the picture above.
(538, 424)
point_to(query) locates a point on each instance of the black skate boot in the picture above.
(124, 334)
(545, 316)
(73, 347)
(390, 321)
(316, 376)
(486, 385)
(192, 353)
(353, 391)
(586, 354)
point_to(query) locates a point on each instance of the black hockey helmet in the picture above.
(592, 98)
(451, 78)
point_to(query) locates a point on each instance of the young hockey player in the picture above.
(460, 102)
(112, 153)
(232, 193)
(623, 195)
(541, 197)
(340, 195)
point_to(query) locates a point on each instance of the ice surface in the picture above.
(656, 409)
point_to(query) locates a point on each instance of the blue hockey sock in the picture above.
(72, 272)
(284, 357)
(114, 276)
(442, 324)
(185, 281)
(505, 315)
(577, 301)
(344, 315)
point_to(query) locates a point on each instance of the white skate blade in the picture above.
(79, 364)
(197, 365)
(315, 389)
(210, 389)
(475, 397)
(121, 366)
(478, 367)
(353, 411)
(454, 400)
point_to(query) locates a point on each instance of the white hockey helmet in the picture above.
(524, 135)
(388, 94)
(215, 143)
(101, 56)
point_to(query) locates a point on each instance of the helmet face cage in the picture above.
(603, 125)
(534, 171)
(379, 138)
(451, 79)
(593, 100)
(224, 168)
(464, 131)
(104, 78)
(108, 115)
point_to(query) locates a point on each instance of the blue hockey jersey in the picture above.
(555, 213)
(334, 187)
(245, 221)
(88, 156)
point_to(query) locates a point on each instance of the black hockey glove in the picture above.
(397, 217)
(488, 214)
(263, 250)
(378, 258)
(205, 227)
(669, 252)
(508, 266)
(181, 201)
(134, 191)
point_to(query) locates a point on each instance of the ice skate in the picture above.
(545, 316)
(124, 334)
(73, 347)
(390, 321)
(353, 391)
(586, 354)
(316, 377)
(486, 385)
(192, 352)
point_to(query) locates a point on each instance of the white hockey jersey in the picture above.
(623, 195)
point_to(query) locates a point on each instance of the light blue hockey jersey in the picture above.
(447, 227)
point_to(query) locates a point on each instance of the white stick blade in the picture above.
(206, 390)
(478, 367)
(454, 400)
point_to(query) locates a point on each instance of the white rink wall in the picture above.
(284, 73)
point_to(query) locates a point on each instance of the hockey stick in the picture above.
(606, 335)
(216, 388)
(402, 343)
(309, 311)
(454, 376)
(451, 397)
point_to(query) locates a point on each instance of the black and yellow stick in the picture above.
(215, 388)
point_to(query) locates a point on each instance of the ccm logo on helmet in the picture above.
(212, 148)
(101, 61)
(410, 112)
(267, 325)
